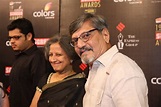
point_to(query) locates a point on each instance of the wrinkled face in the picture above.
(18, 40)
(58, 58)
(92, 48)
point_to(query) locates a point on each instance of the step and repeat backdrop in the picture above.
(134, 25)
(44, 16)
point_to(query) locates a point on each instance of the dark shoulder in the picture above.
(43, 80)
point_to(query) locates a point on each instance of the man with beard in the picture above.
(114, 79)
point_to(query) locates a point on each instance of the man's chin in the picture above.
(87, 60)
(15, 49)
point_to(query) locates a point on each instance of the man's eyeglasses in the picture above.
(84, 37)
(14, 37)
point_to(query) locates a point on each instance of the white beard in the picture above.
(87, 60)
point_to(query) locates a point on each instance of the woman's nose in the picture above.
(52, 59)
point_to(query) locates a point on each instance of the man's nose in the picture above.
(80, 43)
(12, 40)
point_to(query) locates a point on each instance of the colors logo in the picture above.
(47, 13)
(156, 80)
(38, 41)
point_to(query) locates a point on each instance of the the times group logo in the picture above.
(128, 1)
(46, 12)
(129, 41)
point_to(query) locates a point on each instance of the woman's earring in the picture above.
(71, 61)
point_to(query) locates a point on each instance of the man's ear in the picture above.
(29, 36)
(106, 35)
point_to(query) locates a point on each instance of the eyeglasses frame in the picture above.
(80, 37)
(14, 37)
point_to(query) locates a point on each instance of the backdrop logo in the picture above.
(158, 31)
(8, 70)
(129, 1)
(82, 66)
(120, 28)
(41, 41)
(46, 12)
(48, 6)
(120, 41)
(90, 6)
(16, 10)
(8, 43)
(129, 41)
(38, 41)
(89, 0)
(156, 80)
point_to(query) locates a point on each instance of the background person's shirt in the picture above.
(26, 72)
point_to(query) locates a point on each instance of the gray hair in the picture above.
(96, 21)
(64, 42)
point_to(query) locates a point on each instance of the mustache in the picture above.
(83, 49)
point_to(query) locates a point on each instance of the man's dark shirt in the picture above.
(26, 72)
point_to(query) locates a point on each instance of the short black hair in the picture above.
(24, 25)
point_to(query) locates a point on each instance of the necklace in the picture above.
(54, 77)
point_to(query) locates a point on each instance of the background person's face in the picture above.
(18, 40)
